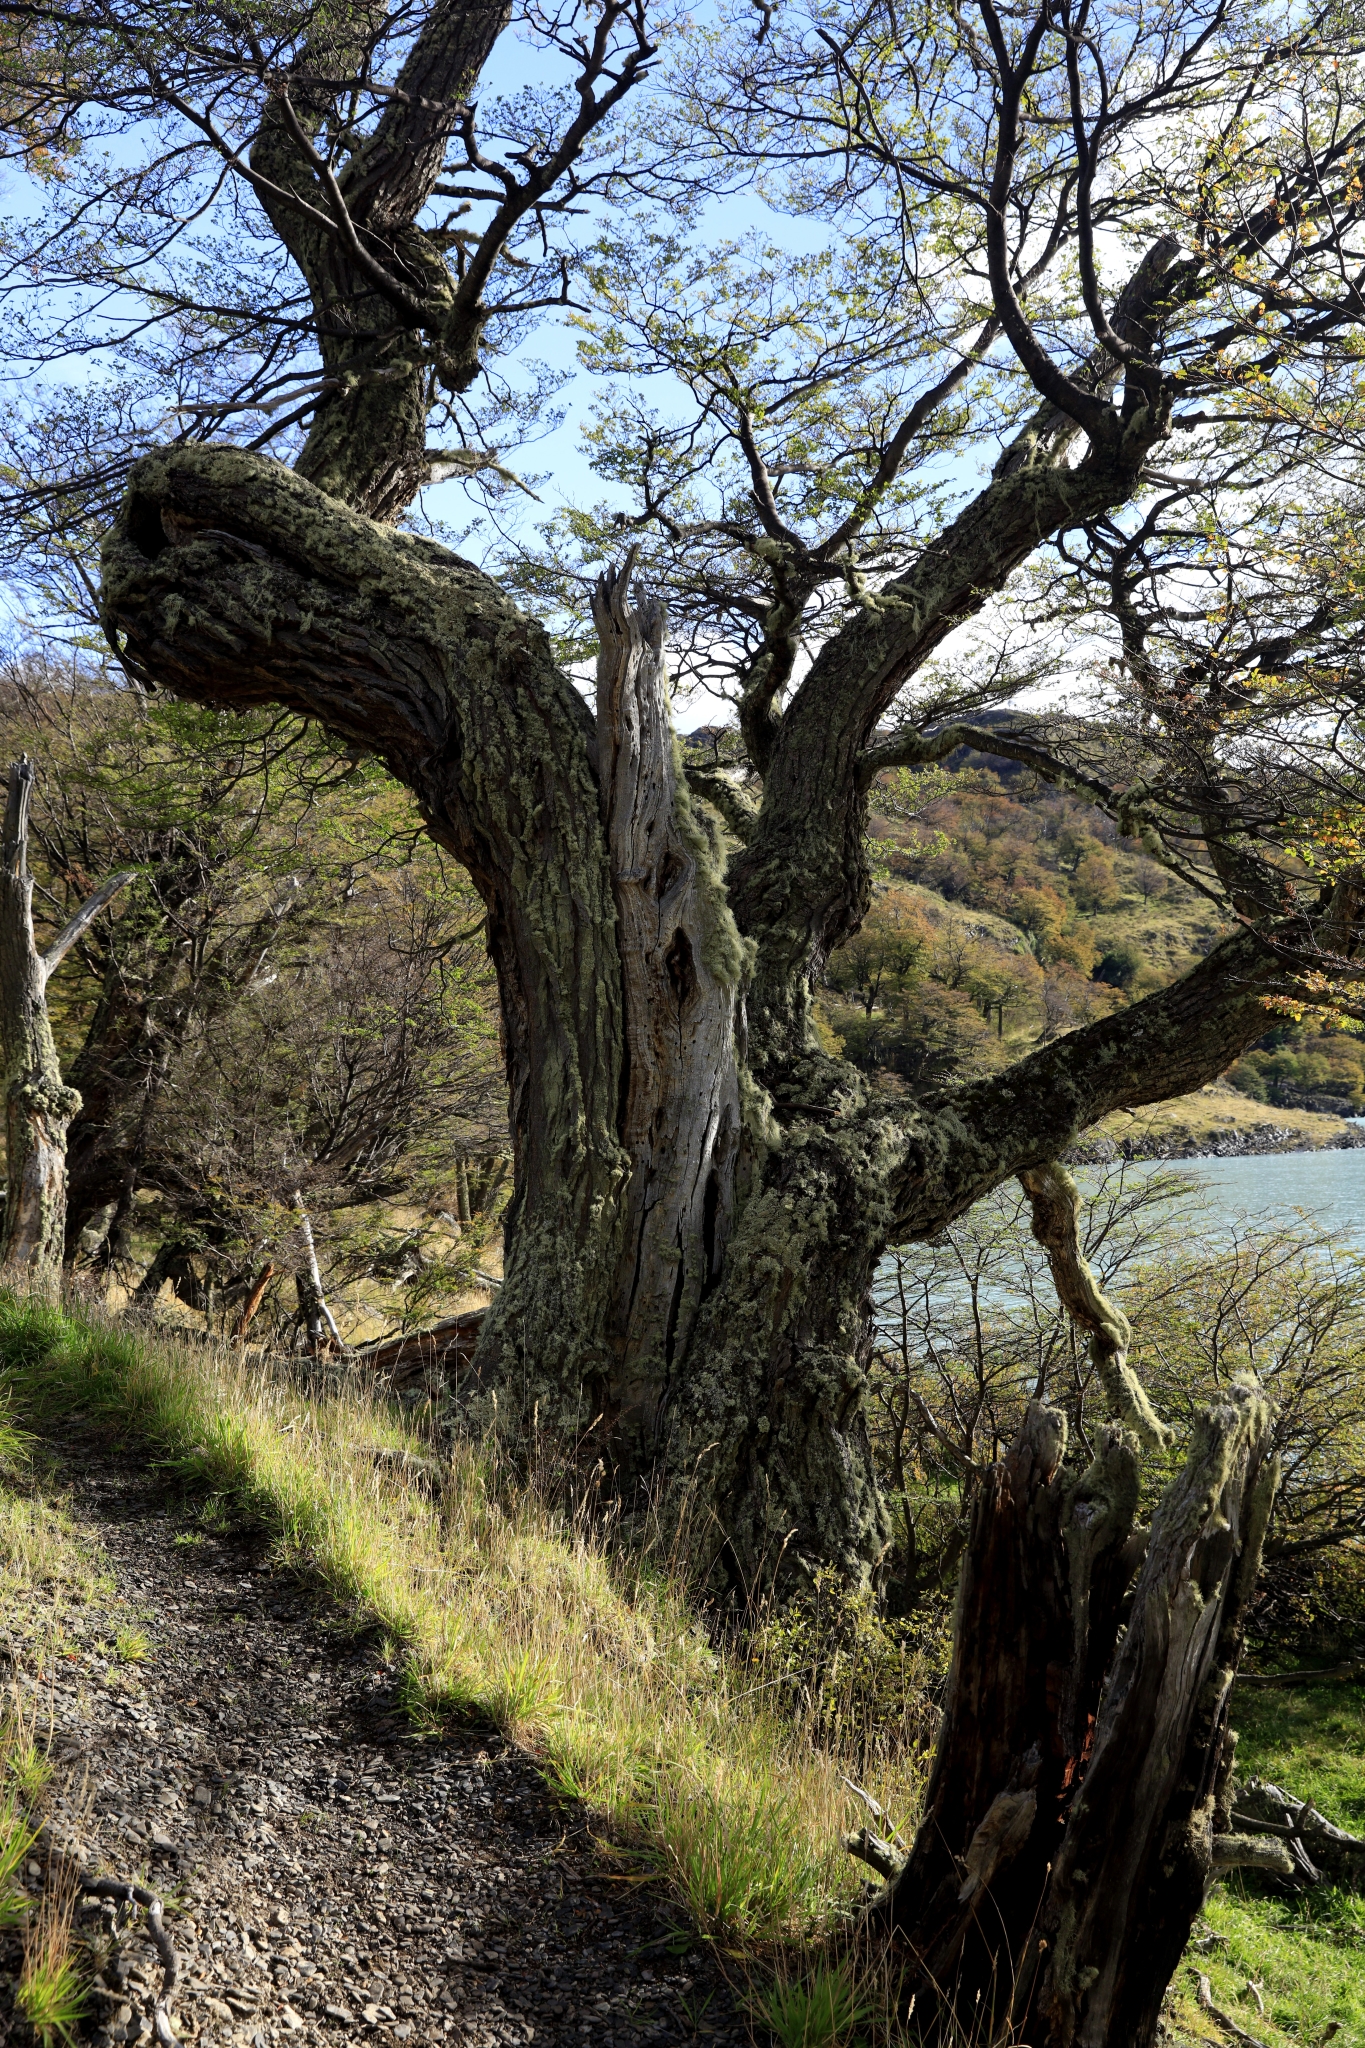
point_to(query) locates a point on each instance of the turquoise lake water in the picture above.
(1328, 1187)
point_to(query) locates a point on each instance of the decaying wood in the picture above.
(308, 1281)
(681, 967)
(127, 1894)
(1225, 2020)
(254, 1299)
(1067, 1837)
(446, 1349)
(38, 1104)
(883, 1856)
(1252, 1852)
(1313, 1847)
(1351, 1673)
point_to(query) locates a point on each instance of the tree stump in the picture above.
(1067, 1840)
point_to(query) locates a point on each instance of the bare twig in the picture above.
(1224, 2020)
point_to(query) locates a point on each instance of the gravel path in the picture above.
(328, 1873)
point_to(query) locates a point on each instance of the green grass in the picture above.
(51, 1993)
(1309, 1739)
(504, 1609)
(48, 1572)
(820, 2010)
(1306, 1954)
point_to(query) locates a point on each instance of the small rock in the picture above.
(340, 2014)
(401, 2032)
(219, 2009)
(202, 1796)
(280, 1917)
(370, 2014)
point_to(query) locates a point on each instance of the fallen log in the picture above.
(1317, 1848)
(445, 1349)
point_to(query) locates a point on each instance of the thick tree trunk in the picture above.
(696, 1215)
(1067, 1840)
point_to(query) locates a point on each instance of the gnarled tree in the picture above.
(701, 1192)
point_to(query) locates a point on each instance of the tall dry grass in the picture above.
(504, 1606)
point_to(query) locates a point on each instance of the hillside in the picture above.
(1006, 914)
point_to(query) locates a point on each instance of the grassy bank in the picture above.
(503, 1609)
(1304, 1955)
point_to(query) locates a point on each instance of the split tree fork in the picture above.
(38, 1104)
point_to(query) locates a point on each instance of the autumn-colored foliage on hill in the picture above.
(1007, 913)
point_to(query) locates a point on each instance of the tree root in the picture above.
(138, 1895)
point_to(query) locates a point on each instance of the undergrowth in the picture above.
(508, 1609)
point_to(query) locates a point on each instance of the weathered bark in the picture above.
(682, 967)
(1067, 1840)
(382, 353)
(38, 1104)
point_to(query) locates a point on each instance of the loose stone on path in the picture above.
(330, 1875)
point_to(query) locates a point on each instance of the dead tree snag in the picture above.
(1068, 1836)
(38, 1104)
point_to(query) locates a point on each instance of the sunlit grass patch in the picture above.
(16, 1839)
(1301, 1958)
(820, 2009)
(1311, 1740)
(1306, 1976)
(52, 1992)
(506, 1608)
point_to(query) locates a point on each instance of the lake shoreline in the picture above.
(1262, 1140)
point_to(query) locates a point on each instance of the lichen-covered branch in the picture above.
(1055, 1201)
(235, 582)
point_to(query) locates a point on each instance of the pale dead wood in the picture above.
(681, 959)
(137, 1895)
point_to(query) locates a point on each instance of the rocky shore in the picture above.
(1182, 1142)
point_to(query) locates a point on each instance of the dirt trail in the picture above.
(328, 1873)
